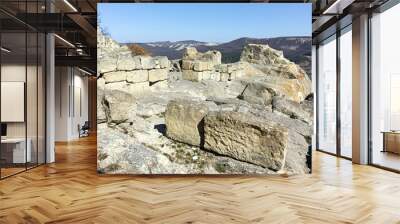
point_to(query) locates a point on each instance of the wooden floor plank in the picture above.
(70, 191)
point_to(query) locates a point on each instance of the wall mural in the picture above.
(204, 96)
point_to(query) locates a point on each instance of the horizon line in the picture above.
(297, 36)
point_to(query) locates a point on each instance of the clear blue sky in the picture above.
(149, 22)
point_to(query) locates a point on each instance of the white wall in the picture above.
(314, 88)
(70, 83)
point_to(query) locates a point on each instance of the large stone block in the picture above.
(237, 74)
(206, 75)
(224, 76)
(245, 137)
(190, 53)
(293, 89)
(147, 62)
(216, 76)
(184, 121)
(187, 64)
(158, 74)
(299, 139)
(222, 68)
(192, 75)
(203, 66)
(107, 64)
(161, 62)
(137, 76)
(118, 76)
(257, 93)
(126, 62)
(118, 102)
(292, 109)
(262, 54)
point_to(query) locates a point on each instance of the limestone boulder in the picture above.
(246, 138)
(258, 86)
(257, 93)
(184, 121)
(298, 141)
(117, 104)
(190, 53)
(272, 64)
(262, 54)
(292, 109)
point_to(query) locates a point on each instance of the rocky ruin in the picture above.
(199, 116)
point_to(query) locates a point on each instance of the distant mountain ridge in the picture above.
(296, 49)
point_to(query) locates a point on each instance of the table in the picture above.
(391, 141)
(18, 149)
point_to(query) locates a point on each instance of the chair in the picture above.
(84, 130)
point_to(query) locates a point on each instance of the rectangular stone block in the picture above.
(106, 65)
(118, 76)
(119, 101)
(126, 62)
(184, 121)
(221, 68)
(192, 75)
(216, 76)
(161, 62)
(203, 66)
(147, 62)
(187, 65)
(137, 62)
(158, 74)
(237, 74)
(244, 137)
(206, 75)
(137, 76)
(224, 76)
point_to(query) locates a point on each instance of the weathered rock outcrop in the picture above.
(282, 77)
(184, 121)
(244, 137)
(293, 109)
(262, 55)
(197, 115)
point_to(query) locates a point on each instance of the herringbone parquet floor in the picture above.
(70, 191)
